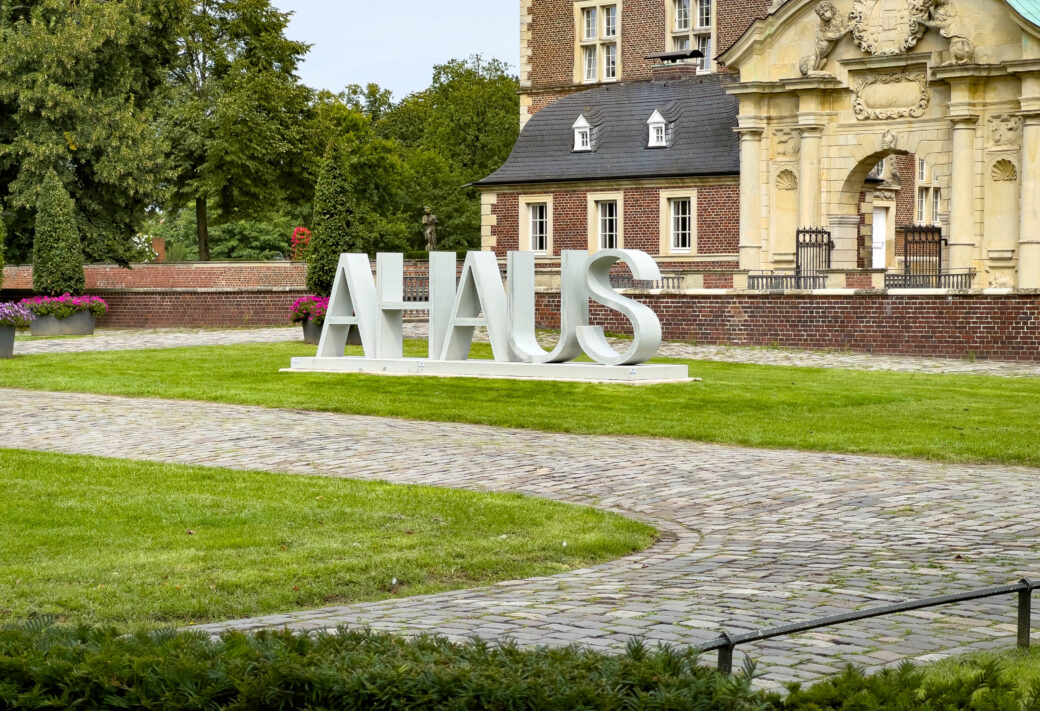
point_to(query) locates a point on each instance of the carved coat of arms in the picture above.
(886, 27)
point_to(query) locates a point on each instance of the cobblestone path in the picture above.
(117, 340)
(749, 538)
(142, 339)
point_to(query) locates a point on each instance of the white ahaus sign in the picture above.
(376, 307)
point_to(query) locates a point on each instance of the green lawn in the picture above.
(955, 418)
(142, 544)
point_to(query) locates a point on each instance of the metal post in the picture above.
(725, 665)
(1025, 600)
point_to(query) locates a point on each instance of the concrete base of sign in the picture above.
(585, 372)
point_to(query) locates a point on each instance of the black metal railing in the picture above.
(942, 280)
(779, 281)
(627, 282)
(726, 643)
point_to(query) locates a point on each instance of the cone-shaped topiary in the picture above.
(57, 251)
(335, 208)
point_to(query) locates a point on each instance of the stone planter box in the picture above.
(312, 334)
(81, 324)
(6, 341)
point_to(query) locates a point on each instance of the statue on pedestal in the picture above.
(429, 222)
(832, 28)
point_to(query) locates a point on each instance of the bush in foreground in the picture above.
(52, 667)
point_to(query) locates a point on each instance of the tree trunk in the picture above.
(203, 224)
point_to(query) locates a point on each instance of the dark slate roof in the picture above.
(702, 142)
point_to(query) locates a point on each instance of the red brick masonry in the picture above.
(998, 327)
(188, 294)
(1005, 327)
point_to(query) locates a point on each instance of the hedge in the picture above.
(3, 233)
(45, 666)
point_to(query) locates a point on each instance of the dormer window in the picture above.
(658, 131)
(582, 134)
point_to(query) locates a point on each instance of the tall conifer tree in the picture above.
(57, 254)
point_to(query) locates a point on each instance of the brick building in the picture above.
(628, 140)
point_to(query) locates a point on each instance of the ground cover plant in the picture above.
(145, 544)
(955, 418)
(46, 666)
(1021, 666)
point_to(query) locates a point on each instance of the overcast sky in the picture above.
(395, 43)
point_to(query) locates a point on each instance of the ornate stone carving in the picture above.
(882, 97)
(786, 180)
(832, 28)
(1005, 131)
(788, 142)
(1004, 171)
(887, 27)
(942, 15)
(888, 140)
(887, 195)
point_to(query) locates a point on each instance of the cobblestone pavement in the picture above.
(118, 340)
(106, 339)
(749, 538)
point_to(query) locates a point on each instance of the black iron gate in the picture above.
(814, 247)
(923, 262)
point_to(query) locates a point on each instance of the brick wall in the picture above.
(981, 326)
(718, 219)
(548, 35)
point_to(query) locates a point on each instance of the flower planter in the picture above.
(312, 333)
(6, 341)
(81, 324)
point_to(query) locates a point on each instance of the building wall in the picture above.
(1001, 327)
(548, 37)
(718, 208)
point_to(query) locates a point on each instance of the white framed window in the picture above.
(682, 224)
(605, 226)
(703, 14)
(582, 134)
(589, 54)
(588, 16)
(536, 224)
(678, 221)
(538, 213)
(929, 195)
(878, 171)
(608, 224)
(658, 137)
(692, 27)
(682, 16)
(704, 46)
(610, 21)
(598, 29)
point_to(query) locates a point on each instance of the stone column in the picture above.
(810, 188)
(1029, 224)
(750, 198)
(962, 237)
(845, 235)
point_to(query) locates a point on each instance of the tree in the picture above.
(335, 206)
(459, 130)
(355, 205)
(78, 88)
(57, 253)
(236, 113)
